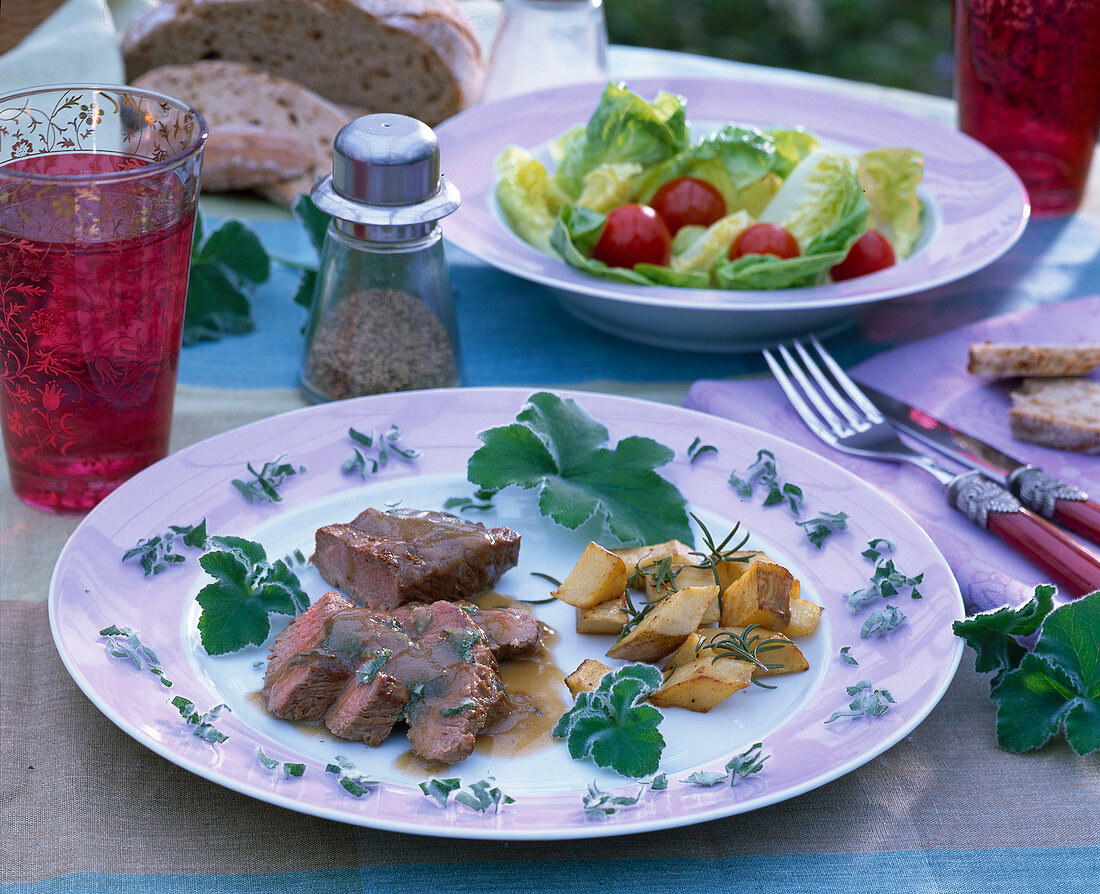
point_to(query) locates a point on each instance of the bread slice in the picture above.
(414, 57)
(1061, 413)
(1006, 360)
(267, 134)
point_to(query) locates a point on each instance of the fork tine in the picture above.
(824, 408)
(856, 420)
(850, 387)
(795, 397)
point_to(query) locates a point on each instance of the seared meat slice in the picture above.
(368, 710)
(510, 632)
(386, 559)
(363, 671)
(301, 681)
(453, 679)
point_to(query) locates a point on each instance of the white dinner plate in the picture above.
(93, 588)
(975, 210)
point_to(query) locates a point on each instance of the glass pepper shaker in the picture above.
(382, 317)
(546, 43)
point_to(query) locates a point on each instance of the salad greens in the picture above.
(1054, 687)
(630, 147)
(555, 447)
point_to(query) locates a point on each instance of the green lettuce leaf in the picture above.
(526, 196)
(623, 128)
(609, 185)
(821, 203)
(890, 179)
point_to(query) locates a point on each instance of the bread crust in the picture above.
(1000, 360)
(1063, 413)
(414, 57)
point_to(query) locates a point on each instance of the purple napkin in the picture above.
(931, 373)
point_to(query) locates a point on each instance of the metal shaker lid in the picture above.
(385, 172)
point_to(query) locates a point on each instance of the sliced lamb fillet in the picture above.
(510, 632)
(300, 689)
(386, 559)
(368, 710)
(454, 682)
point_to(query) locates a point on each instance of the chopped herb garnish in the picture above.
(613, 725)
(464, 642)
(845, 657)
(353, 783)
(265, 487)
(1053, 688)
(370, 668)
(549, 578)
(482, 795)
(886, 581)
(558, 450)
(382, 445)
(122, 642)
(156, 553)
(866, 701)
(744, 764)
(600, 803)
(881, 621)
(247, 588)
(715, 555)
(296, 770)
(440, 790)
(820, 528)
(268, 763)
(763, 472)
(698, 448)
(457, 709)
(203, 723)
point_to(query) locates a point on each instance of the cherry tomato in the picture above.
(688, 200)
(765, 239)
(633, 234)
(871, 252)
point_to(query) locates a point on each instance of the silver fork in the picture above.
(838, 412)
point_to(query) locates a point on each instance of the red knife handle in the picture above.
(1080, 516)
(1069, 564)
(1063, 503)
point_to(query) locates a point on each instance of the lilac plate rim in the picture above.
(91, 588)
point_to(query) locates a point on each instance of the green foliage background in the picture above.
(897, 43)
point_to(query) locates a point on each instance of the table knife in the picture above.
(1063, 503)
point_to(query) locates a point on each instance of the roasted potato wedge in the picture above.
(664, 628)
(586, 677)
(700, 684)
(642, 555)
(605, 618)
(762, 595)
(805, 617)
(598, 576)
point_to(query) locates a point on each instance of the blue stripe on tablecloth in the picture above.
(1066, 870)
(514, 332)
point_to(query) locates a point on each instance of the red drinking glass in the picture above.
(1027, 82)
(98, 191)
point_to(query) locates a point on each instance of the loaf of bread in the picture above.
(267, 134)
(1060, 413)
(414, 57)
(1007, 360)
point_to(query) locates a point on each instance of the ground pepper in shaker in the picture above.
(382, 317)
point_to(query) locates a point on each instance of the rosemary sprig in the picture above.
(744, 646)
(716, 555)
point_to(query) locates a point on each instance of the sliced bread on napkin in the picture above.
(267, 134)
(1003, 360)
(414, 57)
(1059, 413)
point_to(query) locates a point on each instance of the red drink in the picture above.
(1027, 81)
(91, 315)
